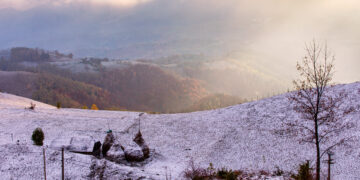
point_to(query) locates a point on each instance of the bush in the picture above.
(224, 173)
(304, 172)
(278, 171)
(58, 105)
(38, 136)
(194, 172)
(32, 106)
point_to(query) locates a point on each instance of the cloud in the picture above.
(273, 31)
(28, 4)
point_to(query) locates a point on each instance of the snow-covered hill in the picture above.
(9, 101)
(238, 137)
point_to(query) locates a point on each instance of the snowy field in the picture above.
(238, 137)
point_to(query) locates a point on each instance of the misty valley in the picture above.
(165, 85)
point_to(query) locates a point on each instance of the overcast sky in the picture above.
(273, 31)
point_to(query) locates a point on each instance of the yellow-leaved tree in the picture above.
(94, 107)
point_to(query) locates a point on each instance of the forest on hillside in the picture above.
(135, 87)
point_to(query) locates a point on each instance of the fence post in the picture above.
(62, 164)
(166, 173)
(44, 163)
(330, 161)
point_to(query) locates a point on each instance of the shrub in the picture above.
(278, 171)
(224, 173)
(32, 106)
(38, 136)
(304, 172)
(58, 105)
(194, 172)
(84, 107)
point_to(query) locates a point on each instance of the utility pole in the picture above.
(62, 164)
(44, 163)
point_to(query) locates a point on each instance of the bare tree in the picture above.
(319, 110)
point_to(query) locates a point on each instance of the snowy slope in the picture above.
(237, 137)
(12, 101)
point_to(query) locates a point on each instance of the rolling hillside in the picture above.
(237, 137)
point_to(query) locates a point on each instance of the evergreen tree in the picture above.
(38, 136)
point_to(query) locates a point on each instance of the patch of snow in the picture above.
(17, 102)
(78, 143)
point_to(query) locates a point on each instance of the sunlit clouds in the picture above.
(28, 4)
(273, 32)
(117, 3)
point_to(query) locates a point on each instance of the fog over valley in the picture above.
(271, 33)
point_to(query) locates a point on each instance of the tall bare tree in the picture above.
(319, 110)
